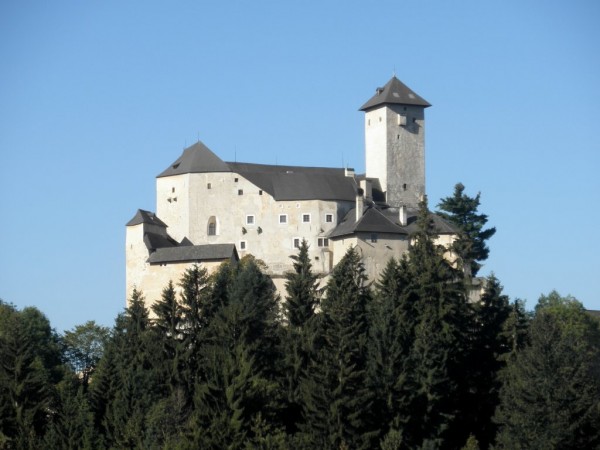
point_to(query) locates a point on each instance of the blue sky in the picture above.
(97, 98)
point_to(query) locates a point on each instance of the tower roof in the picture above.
(394, 92)
(197, 158)
(142, 216)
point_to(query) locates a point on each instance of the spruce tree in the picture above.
(470, 246)
(299, 307)
(551, 392)
(338, 401)
(441, 342)
(392, 320)
(239, 390)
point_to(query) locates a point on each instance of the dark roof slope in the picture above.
(142, 216)
(376, 220)
(197, 158)
(394, 92)
(189, 253)
(299, 183)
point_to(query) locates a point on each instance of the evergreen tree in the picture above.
(392, 321)
(487, 358)
(238, 392)
(337, 398)
(442, 338)
(29, 368)
(470, 246)
(301, 300)
(551, 392)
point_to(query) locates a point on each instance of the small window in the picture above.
(249, 220)
(373, 238)
(282, 218)
(260, 192)
(172, 190)
(208, 186)
(240, 192)
(212, 226)
(404, 186)
(242, 245)
(306, 218)
(329, 218)
(296, 242)
(323, 242)
(235, 180)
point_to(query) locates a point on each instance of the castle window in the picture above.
(208, 186)
(172, 190)
(404, 186)
(240, 192)
(250, 220)
(242, 245)
(260, 192)
(212, 226)
(235, 180)
(373, 238)
(323, 242)
(282, 218)
(329, 218)
(296, 242)
(306, 218)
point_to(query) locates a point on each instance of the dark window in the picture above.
(250, 220)
(323, 242)
(373, 238)
(296, 242)
(242, 245)
(306, 218)
(282, 218)
(259, 192)
(240, 192)
(235, 180)
(208, 186)
(329, 218)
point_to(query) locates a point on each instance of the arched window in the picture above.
(212, 226)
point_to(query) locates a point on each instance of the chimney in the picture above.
(360, 203)
(349, 172)
(403, 217)
(367, 188)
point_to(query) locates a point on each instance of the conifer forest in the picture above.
(405, 362)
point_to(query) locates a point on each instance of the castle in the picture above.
(209, 211)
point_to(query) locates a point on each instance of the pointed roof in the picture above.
(197, 158)
(142, 216)
(394, 92)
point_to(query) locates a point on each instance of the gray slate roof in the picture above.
(142, 216)
(394, 92)
(378, 220)
(197, 158)
(281, 182)
(193, 253)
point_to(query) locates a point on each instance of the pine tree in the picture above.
(551, 392)
(471, 246)
(301, 287)
(337, 397)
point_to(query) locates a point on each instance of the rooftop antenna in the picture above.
(198, 135)
(394, 73)
(235, 153)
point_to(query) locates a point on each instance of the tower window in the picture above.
(212, 226)
(282, 218)
(260, 192)
(242, 245)
(240, 192)
(329, 218)
(404, 186)
(172, 190)
(235, 180)
(249, 220)
(306, 218)
(208, 186)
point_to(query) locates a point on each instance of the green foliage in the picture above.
(83, 348)
(471, 245)
(338, 401)
(551, 394)
(29, 367)
(301, 287)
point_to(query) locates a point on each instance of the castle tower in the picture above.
(395, 142)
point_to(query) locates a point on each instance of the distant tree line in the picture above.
(222, 363)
